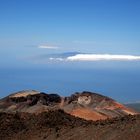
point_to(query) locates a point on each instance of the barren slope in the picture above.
(58, 125)
(87, 105)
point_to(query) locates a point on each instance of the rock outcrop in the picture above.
(86, 105)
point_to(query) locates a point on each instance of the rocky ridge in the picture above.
(86, 105)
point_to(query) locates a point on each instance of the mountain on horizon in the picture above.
(86, 105)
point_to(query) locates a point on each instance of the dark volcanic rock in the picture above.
(33, 115)
(59, 125)
(87, 105)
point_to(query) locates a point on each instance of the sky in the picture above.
(97, 26)
(67, 33)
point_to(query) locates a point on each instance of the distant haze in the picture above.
(66, 46)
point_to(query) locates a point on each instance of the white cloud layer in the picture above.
(57, 59)
(99, 57)
(47, 47)
(96, 57)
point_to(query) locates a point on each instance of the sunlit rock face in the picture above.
(24, 93)
(87, 105)
(84, 100)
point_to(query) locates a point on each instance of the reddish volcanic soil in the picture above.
(86, 113)
(32, 115)
(86, 105)
(58, 125)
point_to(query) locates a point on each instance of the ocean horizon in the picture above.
(121, 85)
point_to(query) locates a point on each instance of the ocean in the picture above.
(122, 85)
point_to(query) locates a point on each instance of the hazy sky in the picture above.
(95, 26)
(56, 33)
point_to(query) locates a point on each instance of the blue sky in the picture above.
(97, 26)
(45, 33)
